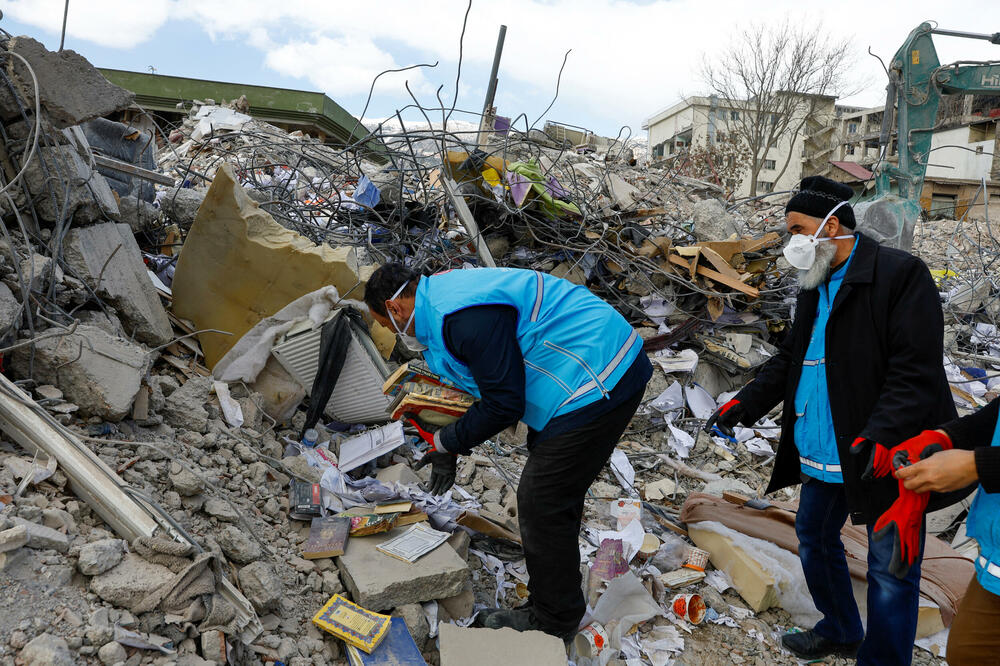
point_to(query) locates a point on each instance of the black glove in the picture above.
(726, 418)
(444, 467)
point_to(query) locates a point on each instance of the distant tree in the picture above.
(774, 81)
(723, 162)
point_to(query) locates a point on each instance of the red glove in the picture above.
(918, 448)
(903, 522)
(425, 434)
(879, 462)
(726, 418)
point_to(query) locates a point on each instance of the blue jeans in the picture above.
(892, 603)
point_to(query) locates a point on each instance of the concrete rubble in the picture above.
(127, 367)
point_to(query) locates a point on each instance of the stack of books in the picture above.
(416, 390)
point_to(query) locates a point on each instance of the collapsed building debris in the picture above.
(154, 492)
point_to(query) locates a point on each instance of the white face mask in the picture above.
(800, 251)
(409, 341)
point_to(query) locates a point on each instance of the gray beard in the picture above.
(817, 274)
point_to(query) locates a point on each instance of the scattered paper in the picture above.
(661, 643)
(625, 510)
(414, 543)
(699, 401)
(623, 471)
(718, 579)
(370, 445)
(672, 398)
(627, 603)
(495, 567)
(685, 360)
(631, 537)
(680, 441)
(759, 447)
(231, 410)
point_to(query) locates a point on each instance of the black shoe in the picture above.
(520, 619)
(810, 645)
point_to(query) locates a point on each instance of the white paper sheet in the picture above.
(672, 398)
(370, 445)
(623, 471)
(699, 401)
(680, 441)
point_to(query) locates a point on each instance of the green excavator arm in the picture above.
(917, 80)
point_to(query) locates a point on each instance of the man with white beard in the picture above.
(859, 372)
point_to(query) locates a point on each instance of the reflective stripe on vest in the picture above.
(818, 465)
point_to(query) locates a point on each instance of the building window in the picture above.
(764, 186)
(768, 165)
(850, 149)
(734, 115)
(852, 128)
(774, 118)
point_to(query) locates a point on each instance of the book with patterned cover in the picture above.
(352, 624)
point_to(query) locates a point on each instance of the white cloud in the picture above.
(628, 60)
(342, 65)
(118, 24)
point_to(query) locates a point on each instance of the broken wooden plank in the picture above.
(718, 277)
(719, 263)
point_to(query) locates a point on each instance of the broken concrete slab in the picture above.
(237, 546)
(99, 556)
(379, 582)
(461, 605)
(96, 371)
(185, 407)
(46, 650)
(13, 538)
(10, 310)
(499, 647)
(128, 583)
(239, 266)
(108, 259)
(262, 586)
(712, 222)
(181, 205)
(71, 90)
(139, 215)
(624, 194)
(184, 481)
(41, 537)
(416, 623)
(89, 197)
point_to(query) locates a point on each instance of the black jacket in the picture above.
(975, 432)
(886, 379)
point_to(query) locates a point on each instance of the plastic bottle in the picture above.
(310, 437)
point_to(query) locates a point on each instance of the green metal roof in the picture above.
(311, 110)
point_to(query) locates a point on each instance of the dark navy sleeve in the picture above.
(484, 338)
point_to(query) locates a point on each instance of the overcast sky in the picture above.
(628, 59)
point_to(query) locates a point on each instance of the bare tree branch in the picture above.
(776, 84)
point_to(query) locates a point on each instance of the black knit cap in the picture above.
(818, 195)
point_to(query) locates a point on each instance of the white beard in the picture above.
(817, 274)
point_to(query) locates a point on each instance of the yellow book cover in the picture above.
(351, 623)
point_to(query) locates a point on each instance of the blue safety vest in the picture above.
(814, 434)
(575, 346)
(984, 527)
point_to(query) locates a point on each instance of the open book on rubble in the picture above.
(416, 390)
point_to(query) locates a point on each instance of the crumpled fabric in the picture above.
(247, 357)
(165, 552)
(548, 204)
(192, 595)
